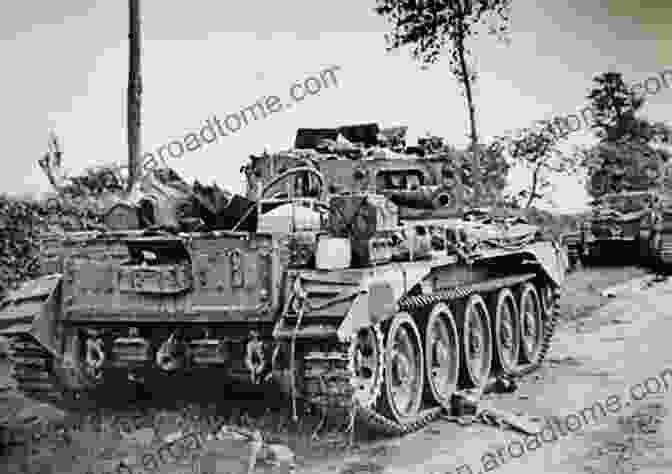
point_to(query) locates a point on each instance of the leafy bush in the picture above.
(614, 167)
(22, 221)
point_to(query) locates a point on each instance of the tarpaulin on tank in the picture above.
(311, 137)
(366, 134)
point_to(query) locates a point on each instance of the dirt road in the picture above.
(603, 348)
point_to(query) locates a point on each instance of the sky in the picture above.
(65, 66)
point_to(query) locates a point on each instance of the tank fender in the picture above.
(35, 308)
(380, 292)
(552, 258)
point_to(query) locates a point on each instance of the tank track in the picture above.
(329, 370)
(32, 369)
(327, 366)
(550, 323)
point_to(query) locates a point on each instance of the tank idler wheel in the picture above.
(442, 355)
(404, 369)
(476, 342)
(367, 361)
(531, 324)
(505, 333)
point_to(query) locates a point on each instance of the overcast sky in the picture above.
(64, 66)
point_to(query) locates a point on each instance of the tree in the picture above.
(431, 26)
(537, 150)
(620, 166)
(493, 168)
(627, 156)
(615, 107)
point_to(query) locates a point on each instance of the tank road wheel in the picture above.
(506, 332)
(367, 362)
(476, 342)
(531, 323)
(404, 369)
(442, 355)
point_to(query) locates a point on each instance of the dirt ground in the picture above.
(602, 347)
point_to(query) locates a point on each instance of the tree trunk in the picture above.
(134, 95)
(475, 149)
(533, 188)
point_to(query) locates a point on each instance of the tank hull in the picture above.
(298, 330)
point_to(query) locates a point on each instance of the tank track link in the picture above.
(329, 371)
(328, 384)
(32, 369)
(550, 323)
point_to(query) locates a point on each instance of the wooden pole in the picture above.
(134, 94)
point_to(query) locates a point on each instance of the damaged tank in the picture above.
(661, 232)
(621, 221)
(349, 276)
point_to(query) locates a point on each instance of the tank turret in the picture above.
(365, 159)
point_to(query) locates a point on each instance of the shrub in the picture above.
(23, 221)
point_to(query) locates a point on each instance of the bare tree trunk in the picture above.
(476, 161)
(134, 94)
(57, 182)
(51, 164)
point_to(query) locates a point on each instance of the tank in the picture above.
(360, 288)
(660, 247)
(572, 244)
(620, 224)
